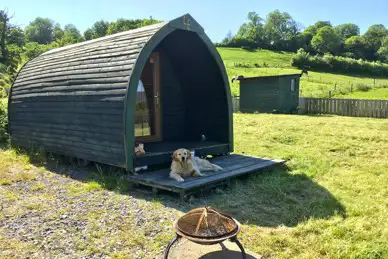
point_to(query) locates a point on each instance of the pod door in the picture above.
(148, 109)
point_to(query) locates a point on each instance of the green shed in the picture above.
(268, 94)
(163, 85)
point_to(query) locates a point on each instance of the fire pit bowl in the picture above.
(206, 226)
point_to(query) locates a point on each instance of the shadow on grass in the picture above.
(278, 197)
(268, 198)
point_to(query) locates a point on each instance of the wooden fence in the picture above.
(344, 107)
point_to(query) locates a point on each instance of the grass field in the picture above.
(316, 84)
(377, 94)
(330, 201)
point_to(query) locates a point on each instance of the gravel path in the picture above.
(55, 216)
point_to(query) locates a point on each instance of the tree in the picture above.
(4, 20)
(279, 29)
(227, 38)
(123, 25)
(382, 53)
(357, 45)
(71, 35)
(33, 49)
(41, 30)
(88, 34)
(301, 40)
(15, 35)
(252, 32)
(149, 21)
(374, 35)
(9, 43)
(58, 32)
(347, 30)
(313, 29)
(100, 28)
(326, 40)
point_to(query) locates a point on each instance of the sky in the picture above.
(216, 16)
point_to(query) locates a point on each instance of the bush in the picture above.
(3, 121)
(336, 64)
(363, 87)
(239, 42)
(34, 49)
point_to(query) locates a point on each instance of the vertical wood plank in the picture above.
(363, 109)
(351, 107)
(345, 111)
(369, 109)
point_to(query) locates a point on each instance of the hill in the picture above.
(316, 84)
(265, 62)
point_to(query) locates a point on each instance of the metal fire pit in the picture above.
(206, 226)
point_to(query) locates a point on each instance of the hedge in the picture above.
(337, 64)
(3, 121)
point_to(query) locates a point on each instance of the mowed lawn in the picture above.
(329, 201)
(315, 84)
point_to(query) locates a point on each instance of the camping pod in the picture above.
(162, 85)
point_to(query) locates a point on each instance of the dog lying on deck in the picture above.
(184, 165)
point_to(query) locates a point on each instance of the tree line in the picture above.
(279, 31)
(18, 45)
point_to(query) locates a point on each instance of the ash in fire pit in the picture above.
(206, 226)
(206, 223)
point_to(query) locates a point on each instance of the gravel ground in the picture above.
(56, 216)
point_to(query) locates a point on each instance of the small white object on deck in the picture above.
(137, 169)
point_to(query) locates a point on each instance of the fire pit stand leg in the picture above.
(235, 240)
(176, 238)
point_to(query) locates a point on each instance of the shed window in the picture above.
(293, 85)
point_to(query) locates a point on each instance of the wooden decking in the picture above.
(160, 152)
(234, 166)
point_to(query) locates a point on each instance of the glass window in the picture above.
(142, 113)
(292, 85)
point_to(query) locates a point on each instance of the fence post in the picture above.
(329, 94)
(302, 105)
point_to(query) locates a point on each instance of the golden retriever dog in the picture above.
(184, 165)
